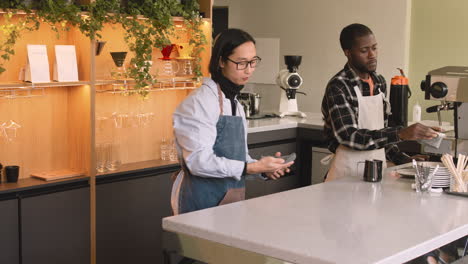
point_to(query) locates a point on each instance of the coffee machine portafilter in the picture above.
(449, 85)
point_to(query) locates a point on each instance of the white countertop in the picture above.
(345, 221)
(313, 121)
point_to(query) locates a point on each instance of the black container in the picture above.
(399, 94)
(372, 170)
(11, 173)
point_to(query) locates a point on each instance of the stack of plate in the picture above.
(441, 178)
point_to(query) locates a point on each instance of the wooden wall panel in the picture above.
(206, 6)
(42, 140)
(206, 54)
(137, 142)
(79, 128)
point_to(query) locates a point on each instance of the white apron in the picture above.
(371, 116)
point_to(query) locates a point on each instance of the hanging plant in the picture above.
(10, 33)
(142, 35)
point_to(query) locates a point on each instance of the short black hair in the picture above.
(352, 32)
(225, 43)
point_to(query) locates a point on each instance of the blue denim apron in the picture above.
(197, 192)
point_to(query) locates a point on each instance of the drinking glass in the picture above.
(186, 68)
(3, 131)
(113, 162)
(169, 68)
(164, 147)
(101, 123)
(423, 178)
(101, 157)
(117, 120)
(172, 151)
(11, 129)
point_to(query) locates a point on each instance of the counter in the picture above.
(312, 121)
(344, 221)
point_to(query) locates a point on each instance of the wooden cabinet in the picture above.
(9, 232)
(129, 219)
(55, 227)
(318, 169)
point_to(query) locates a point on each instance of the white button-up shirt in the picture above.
(195, 131)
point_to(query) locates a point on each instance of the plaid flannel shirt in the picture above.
(340, 113)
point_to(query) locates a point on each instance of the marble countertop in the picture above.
(312, 121)
(344, 221)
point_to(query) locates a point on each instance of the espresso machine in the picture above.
(449, 85)
(251, 104)
(290, 81)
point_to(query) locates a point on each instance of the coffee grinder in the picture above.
(290, 81)
(449, 85)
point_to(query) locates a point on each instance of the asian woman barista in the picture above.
(211, 131)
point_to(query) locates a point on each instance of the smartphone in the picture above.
(289, 158)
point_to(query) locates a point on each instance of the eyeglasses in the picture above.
(242, 65)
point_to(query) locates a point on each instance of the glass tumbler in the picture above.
(113, 162)
(172, 152)
(101, 157)
(164, 147)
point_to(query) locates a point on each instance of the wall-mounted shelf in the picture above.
(27, 90)
(139, 165)
(25, 85)
(167, 84)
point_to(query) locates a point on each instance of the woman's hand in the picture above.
(273, 167)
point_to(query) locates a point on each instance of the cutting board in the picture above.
(56, 175)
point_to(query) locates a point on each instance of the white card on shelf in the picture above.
(65, 65)
(37, 68)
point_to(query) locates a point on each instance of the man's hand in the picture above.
(420, 157)
(418, 131)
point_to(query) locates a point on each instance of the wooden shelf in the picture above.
(176, 83)
(139, 165)
(27, 85)
(28, 183)
(58, 129)
(22, 13)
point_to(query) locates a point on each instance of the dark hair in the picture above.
(352, 32)
(225, 43)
